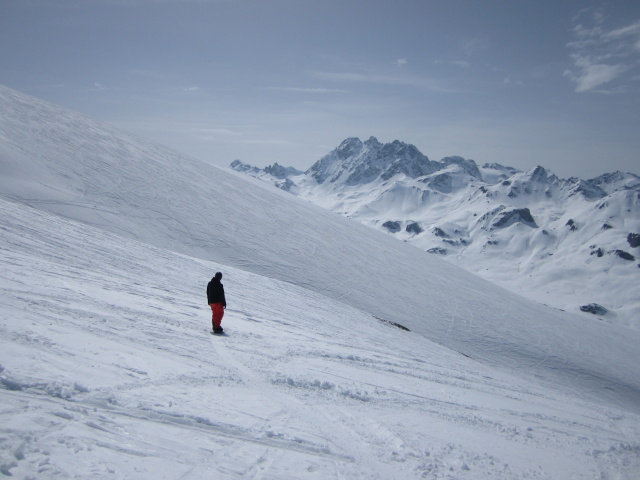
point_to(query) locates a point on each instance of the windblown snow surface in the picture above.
(108, 370)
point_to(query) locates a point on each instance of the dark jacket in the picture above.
(215, 292)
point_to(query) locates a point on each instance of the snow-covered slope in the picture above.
(573, 244)
(104, 350)
(107, 371)
(64, 163)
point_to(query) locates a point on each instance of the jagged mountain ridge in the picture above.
(570, 243)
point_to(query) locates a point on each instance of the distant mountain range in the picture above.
(570, 243)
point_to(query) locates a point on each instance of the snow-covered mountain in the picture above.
(573, 244)
(107, 242)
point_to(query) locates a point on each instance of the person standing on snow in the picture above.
(217, 302)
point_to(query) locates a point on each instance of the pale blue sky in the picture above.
(519, 82)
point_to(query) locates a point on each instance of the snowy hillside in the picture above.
(572, 244)
(107, 369)
(109, 372)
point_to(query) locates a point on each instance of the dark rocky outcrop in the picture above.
(395, 324)
(634, 240)
(393, 227)
(438, 232)
(414, 228)
(623, 255)
(518, 215)
(442, 183)
(287, 185)
(594, 308)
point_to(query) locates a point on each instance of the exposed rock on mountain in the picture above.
(242, 167)
(414, 227)
(278, 171)
(393, 227)
(355, 162)
(624, 255)
(518, 215)
(440, 233)
(594, 308)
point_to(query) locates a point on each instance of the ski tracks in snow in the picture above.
(322, 430)
(403, 414)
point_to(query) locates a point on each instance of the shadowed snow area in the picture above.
(107, 243)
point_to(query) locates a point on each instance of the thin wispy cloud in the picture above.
(305, 90)
(631, 31)
(210, 132)
(455, 63)
(601, 54)
(97, 87)
(399, 80)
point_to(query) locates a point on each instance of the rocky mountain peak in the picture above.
(240, 166)
(280, 172)
(348, 148)
(355, 162)
(373, 142)
(539, 174)
(468, 166)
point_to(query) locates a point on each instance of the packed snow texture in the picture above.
(108, 370)
(566, 243)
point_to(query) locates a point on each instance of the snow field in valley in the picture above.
(108, 370)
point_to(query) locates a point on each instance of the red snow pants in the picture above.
(217, 312)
